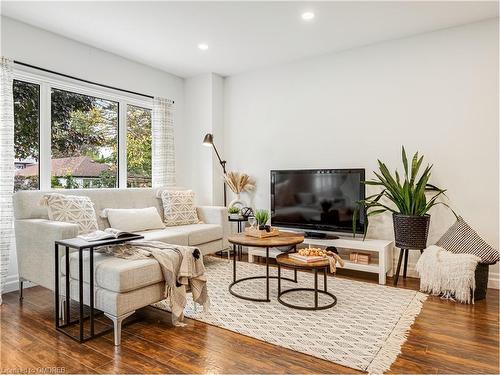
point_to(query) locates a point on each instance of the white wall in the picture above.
(218, 131)
(34, 46)
(436, 93)
(203, 98)
(197, 160)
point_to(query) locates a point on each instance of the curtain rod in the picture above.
(82, 80)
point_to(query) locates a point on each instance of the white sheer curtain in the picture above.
(6, 168)
(163, 161)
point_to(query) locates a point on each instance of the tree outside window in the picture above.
(26, 135)
(138, 147)
(84, 135)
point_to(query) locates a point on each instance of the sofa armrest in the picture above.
(31, 231)
(216, 215)
(212, 214)
(35, 248)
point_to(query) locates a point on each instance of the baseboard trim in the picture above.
(12, 284)
(493, 281)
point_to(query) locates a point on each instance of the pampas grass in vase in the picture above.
(238, 182)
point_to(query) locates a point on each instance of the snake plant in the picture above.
(407, 193)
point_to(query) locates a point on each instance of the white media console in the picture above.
(381, 250)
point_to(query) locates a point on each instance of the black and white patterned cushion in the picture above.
(74, 209)
(462, 239)
(179, 208)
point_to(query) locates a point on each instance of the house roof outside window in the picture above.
(80, 166)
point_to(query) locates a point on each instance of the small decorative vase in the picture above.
(410, 232)
(237, 202)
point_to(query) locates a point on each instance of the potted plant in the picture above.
(234, 212)
(411, 195)
(262, 217)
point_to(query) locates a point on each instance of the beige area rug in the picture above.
(364, 331)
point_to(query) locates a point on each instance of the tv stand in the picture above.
(324, 236)
(381, 250)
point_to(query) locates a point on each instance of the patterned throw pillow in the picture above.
(178, 207)
(462, 239)
(72, 209)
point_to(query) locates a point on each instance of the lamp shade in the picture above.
(208, 140)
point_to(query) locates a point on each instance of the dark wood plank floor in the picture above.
(445, 338)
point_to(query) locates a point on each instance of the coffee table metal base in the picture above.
(266, 276)
(324, 307)
(254, 278)
(316, 291)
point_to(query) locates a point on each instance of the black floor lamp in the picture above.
(209, 141)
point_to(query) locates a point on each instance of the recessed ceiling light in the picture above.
(203, 46)
(307, 16)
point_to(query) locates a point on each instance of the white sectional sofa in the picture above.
(121, 285)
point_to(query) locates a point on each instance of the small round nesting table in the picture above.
(285, 261)
(283, 239)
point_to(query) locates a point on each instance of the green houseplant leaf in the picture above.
(408, 193)
(262, 216)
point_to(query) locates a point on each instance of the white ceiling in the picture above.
(241, 35)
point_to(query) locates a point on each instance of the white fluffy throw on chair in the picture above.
(448, 274)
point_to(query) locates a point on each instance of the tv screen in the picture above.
(321, 199)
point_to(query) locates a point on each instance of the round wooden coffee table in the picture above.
(284, 260)
(283, 239)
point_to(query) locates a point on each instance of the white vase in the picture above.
(237, 202)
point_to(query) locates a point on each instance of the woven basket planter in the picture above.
(481, 274)
(411, 232)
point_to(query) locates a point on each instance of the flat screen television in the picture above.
(321, 200)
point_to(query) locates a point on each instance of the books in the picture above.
(361, 258)
(306, 259)
(106, 234)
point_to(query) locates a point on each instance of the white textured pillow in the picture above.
(134, 219)
(74, 209)
(178, 207)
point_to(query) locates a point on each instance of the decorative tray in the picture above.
(306, 258)
(254, 232)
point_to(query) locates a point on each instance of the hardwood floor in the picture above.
(445, 338)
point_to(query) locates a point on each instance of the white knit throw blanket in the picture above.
(448, 274)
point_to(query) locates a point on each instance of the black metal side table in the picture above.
(80, 245)
(240, 221)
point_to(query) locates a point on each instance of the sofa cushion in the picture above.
(133, 219)
(166, 235)
(178, 207)
(118, 303)
(72, 209)
(199, 233)
(116, 274)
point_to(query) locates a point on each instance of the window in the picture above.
(84, 141)
(26, 135)
(138, 146)
(72, 135)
